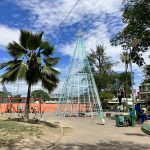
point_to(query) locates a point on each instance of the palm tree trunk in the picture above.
(27, 104)
(126, 83)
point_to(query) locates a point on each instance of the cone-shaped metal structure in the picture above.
(79, 94)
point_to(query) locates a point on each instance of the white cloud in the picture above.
(95, 36)
(48, 15)
(68, 49)
(8, 34)
(146, 57)
(99, 35)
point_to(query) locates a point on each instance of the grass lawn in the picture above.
(12, 132)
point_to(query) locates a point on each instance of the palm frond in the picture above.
(51, 61)
(24, 36)
(22, 70)
(16, 50)
(11, 72)
(5, 64)
(46, 49)
(32, 77)
(29, 40)
(125, 57)
(49, 71)
(34, 41)
(49, 82)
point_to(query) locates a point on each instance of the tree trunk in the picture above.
(27, 104)
(126, 83)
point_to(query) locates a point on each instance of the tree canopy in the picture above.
(41, 94)
(146, 71)
(106, 96)
(101, 67)
(136, 33)
(32, 61)
(2, 94)
(100, 62)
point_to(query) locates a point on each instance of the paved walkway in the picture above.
(87, 134)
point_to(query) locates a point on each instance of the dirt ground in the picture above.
(16, 135)
(86, 134)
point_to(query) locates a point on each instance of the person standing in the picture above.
(138, 111)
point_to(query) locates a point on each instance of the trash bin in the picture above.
(120, 120)
(132, 117)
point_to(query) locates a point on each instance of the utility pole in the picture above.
(132, 79)
(132, 44)
(117, 88)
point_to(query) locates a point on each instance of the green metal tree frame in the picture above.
(79, 95)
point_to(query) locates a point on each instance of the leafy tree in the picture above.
(105, 97)
(41, 94)
(99, 60)
(147, 73)
(136, 33)
(2, 94)
(101, 66)
(105, 82)
(31, 62)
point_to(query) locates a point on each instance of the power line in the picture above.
(60, 25)
(69, 13)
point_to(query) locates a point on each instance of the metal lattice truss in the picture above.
(79, 96)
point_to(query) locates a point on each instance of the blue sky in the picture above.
(99, 20)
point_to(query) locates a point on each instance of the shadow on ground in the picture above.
(135, 134)
(111, 145)
(102, 145)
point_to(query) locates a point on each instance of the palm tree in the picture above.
(125, 59)
(31, 62)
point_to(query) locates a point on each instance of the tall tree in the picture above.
(100, 61)
(31, 62)
(126, 60)
(136, 16)
(101, 67)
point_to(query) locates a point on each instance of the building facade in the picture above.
(144, 93)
